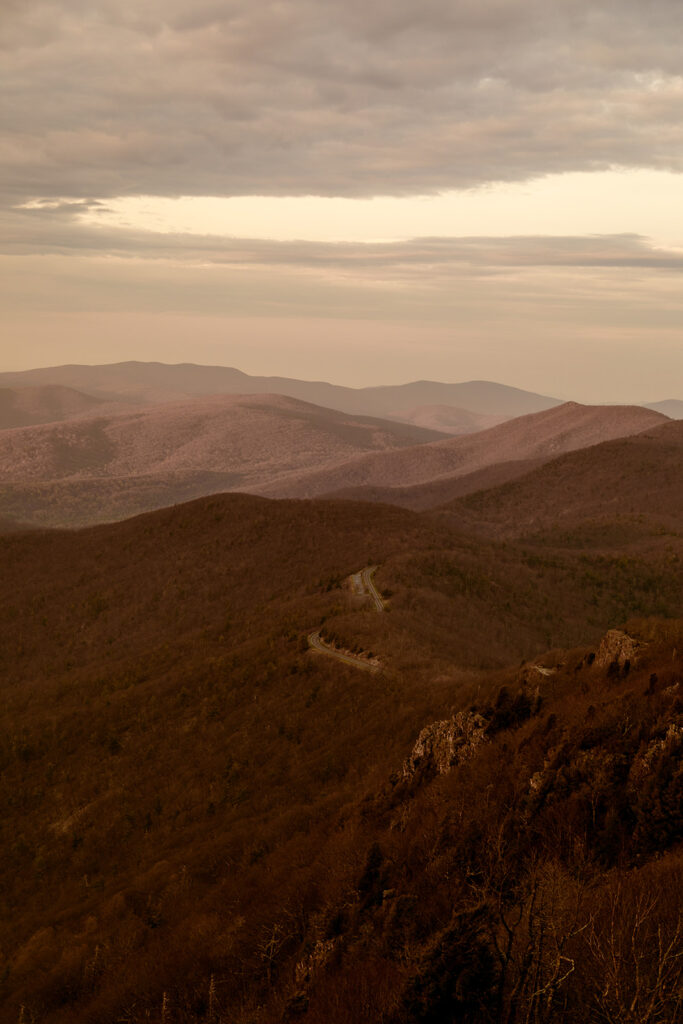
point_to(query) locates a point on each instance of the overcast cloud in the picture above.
(104, 99)
(332, 97)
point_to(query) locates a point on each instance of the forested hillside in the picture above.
(205, 821)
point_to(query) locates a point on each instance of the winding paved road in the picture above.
(370, 588)
(364, 586)
(317, 644)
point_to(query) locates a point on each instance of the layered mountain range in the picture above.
(453, 408)
(150, 383)
(145, 436)
(329, 759)
(535, 437)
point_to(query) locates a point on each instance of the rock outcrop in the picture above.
(617, 646)
(443, 745)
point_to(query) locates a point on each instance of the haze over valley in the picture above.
(341, 512)
(87, 468)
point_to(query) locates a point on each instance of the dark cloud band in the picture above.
(331, 97)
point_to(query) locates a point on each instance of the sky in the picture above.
(358, 192)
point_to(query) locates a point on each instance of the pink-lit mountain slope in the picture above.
(541, 435)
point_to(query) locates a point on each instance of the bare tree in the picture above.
(637, 960)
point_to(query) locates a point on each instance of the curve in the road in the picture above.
(315, 641)
(363, 585)
(370, 588)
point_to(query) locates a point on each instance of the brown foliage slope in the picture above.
(539, 879)
(640, 475)
(23, 407)
(542, 435)
(183, 783)
(252, 437)
(12, 525)
(435, 493)
(70, 473)
(448, 418)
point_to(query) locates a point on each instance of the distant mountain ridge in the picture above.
(162, 382)
(672, 407)
(454, 408)
(542, 435)
(247, 435)
(110, 467)
(45, 403)
(636, 476)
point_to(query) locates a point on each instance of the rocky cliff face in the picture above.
(617, 646)
(443, 745)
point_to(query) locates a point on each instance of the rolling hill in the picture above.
(541, 435)
(113, 466)
(638, 476)
(440, 491)
(23, 407)
(204, 821)
(447, 418)
(98, 470)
